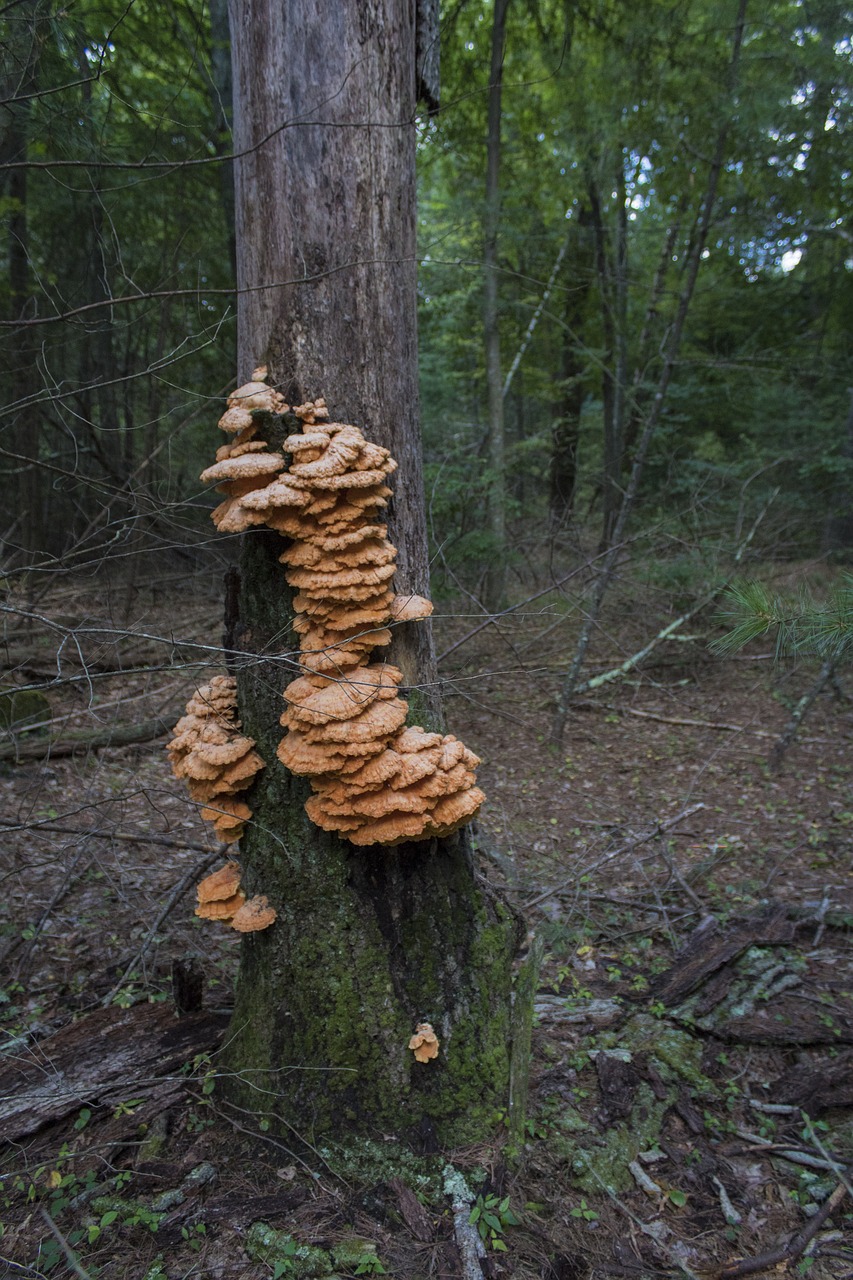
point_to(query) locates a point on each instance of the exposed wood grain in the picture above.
(132, 1051)
(710, 947)
(328, 291)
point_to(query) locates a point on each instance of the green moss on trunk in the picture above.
(367, 944)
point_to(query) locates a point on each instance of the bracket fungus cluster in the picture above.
(216, 761)
(220, 897)
(375, 780)
(245, 464)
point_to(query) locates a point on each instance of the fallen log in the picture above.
(101, 1059)
(710, 947)
(32, 748)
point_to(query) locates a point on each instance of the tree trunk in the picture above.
(17, 83)
(611, 268)
(648, 332)
(496, 573)
(568, 405)
(221, 95)
(367, 943)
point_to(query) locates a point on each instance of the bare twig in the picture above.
(626, 667)
(279, 1146)
(70, 1256)
(496, 617)
(815, 1140)
(116, 736)
(167, 842)
(535, 318)
(687, 722)
(657, 830)
(174, 897)
(785, 739)
(794, 1249)
(32, 937)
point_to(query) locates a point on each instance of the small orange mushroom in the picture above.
(254, 915)
(424, 1043)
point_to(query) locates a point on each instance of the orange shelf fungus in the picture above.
(214, 759)
(375, 781)
(254, 915)
(220, 897)
(424, 1043)
(219, 894)
(243, 466)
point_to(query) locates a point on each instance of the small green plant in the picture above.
(369, 1265)
(491, 1216)
(194, 1236)
(584, 1212)
(197, 1122)
(95, 1229)
(283, 1266)
(127, 1108)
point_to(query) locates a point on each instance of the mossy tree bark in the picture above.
(368, 942)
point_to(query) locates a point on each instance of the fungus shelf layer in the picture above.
(214, 759)
(375, 780)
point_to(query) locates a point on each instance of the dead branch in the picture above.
(93, 833)
(70, 1256)
(117, 736)
(493, 618)
(723, 725)
(657, 830)
(18, 940)
(174, 897)
(626, 667)
(827, 674)
(790, 1252)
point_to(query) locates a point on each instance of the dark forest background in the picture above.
(657, 194)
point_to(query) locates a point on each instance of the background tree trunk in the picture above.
(496, 573)
(367, 944)
(17, 84)
(571, 385)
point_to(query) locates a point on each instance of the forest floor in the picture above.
(691, 1101)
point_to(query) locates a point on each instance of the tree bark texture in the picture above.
(324, 134)
(368, 942)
